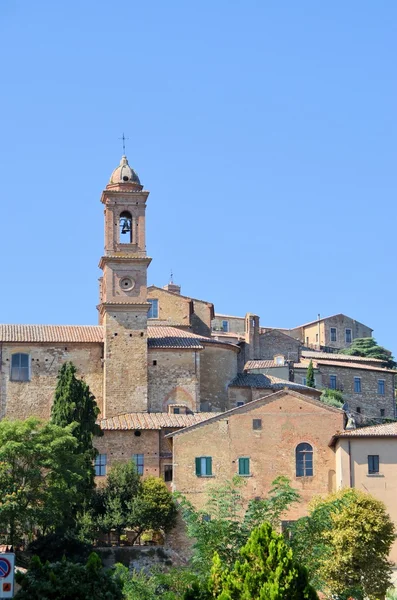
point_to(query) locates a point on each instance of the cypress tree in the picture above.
(265, 571)
(310, 375)
(74, 403)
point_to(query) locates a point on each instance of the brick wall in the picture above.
(125, 370)
(174, 378)
(172, 307)
(218, 366)
(286, 421)
(19, 400)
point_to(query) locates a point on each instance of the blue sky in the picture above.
(265, 132)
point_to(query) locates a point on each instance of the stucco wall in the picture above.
(19, 400)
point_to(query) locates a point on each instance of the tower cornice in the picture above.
(136, 259)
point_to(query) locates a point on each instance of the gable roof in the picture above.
(158, 336)
(51, 333)
(344, 357)
(384, 430)
(188, 298)
(261, 381)
(262, 364)
(132, 421)
(326, 319)
(346, 365)
(255, 404)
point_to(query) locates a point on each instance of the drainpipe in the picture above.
(350, 465)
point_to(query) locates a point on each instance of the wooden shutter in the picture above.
(198, 466)
(208, 465)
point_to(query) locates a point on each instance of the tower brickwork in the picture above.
(123, 294)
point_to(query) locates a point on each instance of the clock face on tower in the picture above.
(127, 284)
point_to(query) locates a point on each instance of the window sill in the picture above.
(375, 475)
(205, 476)
(241, 475)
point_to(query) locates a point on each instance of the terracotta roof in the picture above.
(351, 365)
(344, 357)
(258, 380)
(170, 337)
(385, 430)
(51, 333)
(132, 421)
(261, 364)
(254, 404)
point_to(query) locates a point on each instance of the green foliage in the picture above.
(332, 398)
(310, 375)
(345, 543)
(126, 501)
(176, 584)
(53, 547)
(230, 524)
(368, 347)
(265, 570)
(74, 404)
(68, 581)
(40, 477)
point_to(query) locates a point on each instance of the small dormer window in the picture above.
(177, 409)
(125, 224)
(279, 360)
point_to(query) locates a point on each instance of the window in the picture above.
(304, 460)
(240, 403)
(177, 410)
(203, 466)
(332, 382)
(225, 326)
(154, 309)
(357, 385)
(381, 387)
(358, 410)
(304, 380)
(382, 412)
(256, 423)
(244, 466)
(125, 224)
(20, 367)
(348, 336)
(279, 360)
(167, 472)
(333, 334)
(373, 464)
(100, 465)
(138, 460)
(316, 338)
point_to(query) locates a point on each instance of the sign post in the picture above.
(7, 568)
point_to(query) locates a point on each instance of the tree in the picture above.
(345, 543)
(40, 475)
(368, 347)
(68, 581)
(265, 570)
(310, 376)
(224, 524)
(75, 404)
(126, 501)
(153, 508)
(332, 397)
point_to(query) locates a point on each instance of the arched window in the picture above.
(125, 224)
(20, 364)
(304, 460)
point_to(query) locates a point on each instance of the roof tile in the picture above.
(132, 421)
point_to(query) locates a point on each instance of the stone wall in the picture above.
(173, 308)
(369, 401)
(218, 366)
(19, 400)
(274, 342)
(174, 378)
(125, 371)
(201, 317)
(286, 421)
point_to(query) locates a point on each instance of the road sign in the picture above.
(7, 563)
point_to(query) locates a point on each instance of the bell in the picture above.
(126, 226)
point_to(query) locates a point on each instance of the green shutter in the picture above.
(198, 466)
(243, 466)
(208, 465)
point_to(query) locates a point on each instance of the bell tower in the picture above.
(123, 294)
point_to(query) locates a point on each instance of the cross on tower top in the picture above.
(124, 138)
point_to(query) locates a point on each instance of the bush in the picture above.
(53, 547)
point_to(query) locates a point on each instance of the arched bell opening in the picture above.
(125, 227)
